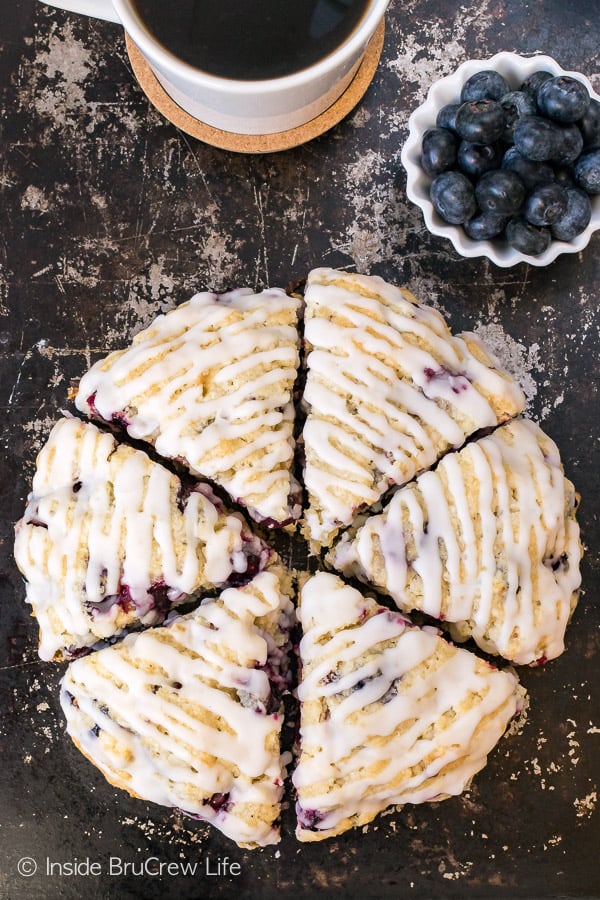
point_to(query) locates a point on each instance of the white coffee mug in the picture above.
(244, 107)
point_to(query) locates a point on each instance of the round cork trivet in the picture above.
(258, 143)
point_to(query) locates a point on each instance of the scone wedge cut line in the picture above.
(388, 391)
(110, 540)
(488, 542)
(185, 715)
(390, 713)
(210, 384)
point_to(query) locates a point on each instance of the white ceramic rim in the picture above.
(447, 90)
(153, 50)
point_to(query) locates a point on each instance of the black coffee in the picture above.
(250, 39)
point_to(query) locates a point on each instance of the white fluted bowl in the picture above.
(515, 69)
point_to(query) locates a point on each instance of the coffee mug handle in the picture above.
(100, 9)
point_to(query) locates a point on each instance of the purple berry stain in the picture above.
(91, 402)
(122, 599)
(458, 383)
(119, 418)
(309, 818)
(218, 802)
(160, 596)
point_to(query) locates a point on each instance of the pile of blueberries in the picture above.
(518, 165)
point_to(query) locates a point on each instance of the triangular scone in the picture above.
(388, 391)
(111, 539)
(210, 384)
(488, 541)
(189, 715)
(390, 713)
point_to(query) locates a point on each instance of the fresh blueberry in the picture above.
(480, 121)
(438, 150)
(475, 159)
(453, 196)
(546, 204)
(515, 104)
(500, 191)
(563, 175)
(570, 144)
(529, 171)
(577, 217)
(485, 85)
(589, 125)
(485, 225)
(532, 84)
(537, 138)
(563, 98)
(446, 118)
(587, 171)
(533, 191)
(527, 238)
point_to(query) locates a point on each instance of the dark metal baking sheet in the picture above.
(109, 214)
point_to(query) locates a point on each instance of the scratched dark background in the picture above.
(111, 215)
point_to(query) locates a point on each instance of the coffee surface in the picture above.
(251, 39)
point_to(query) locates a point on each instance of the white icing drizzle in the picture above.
(388, 391)
(390, 713)
(103, 524)
(488, 541)
(176, 715)
(210, 383)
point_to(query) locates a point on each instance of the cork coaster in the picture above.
(258, 143)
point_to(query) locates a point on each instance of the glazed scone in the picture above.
(390, 713)
(210, 384)
(388, 391)
(488, 543)
(110, 539)
(189, 715)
